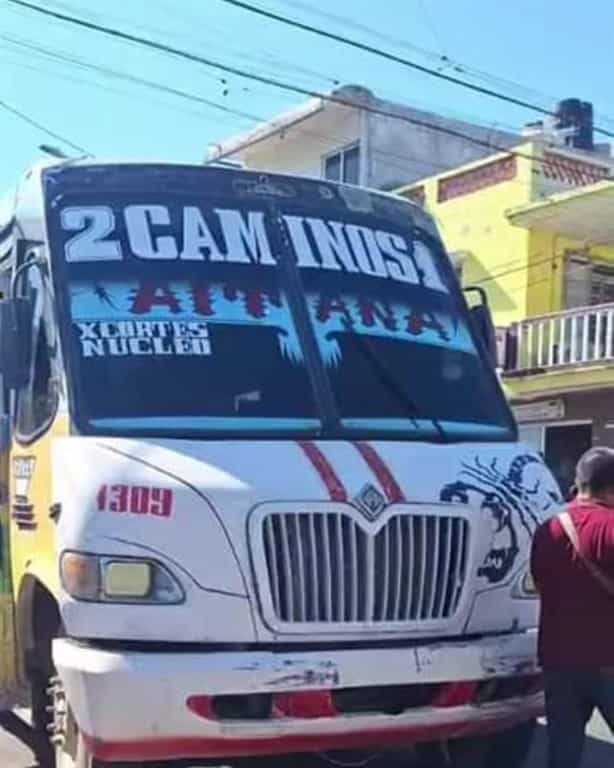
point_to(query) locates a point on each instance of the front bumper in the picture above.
(133, 705)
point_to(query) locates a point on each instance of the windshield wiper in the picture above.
(414, 412)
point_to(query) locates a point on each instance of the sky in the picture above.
(538, 50)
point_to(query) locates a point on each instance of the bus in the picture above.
(262, 493)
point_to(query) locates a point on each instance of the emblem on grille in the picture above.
(370, 502)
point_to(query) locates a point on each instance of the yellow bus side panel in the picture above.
(32, 530)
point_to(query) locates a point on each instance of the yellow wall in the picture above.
(495, 253)
(522, 270)
(546, 270)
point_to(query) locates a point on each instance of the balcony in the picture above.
(573, 340)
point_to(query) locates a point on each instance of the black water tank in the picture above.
(577, 114)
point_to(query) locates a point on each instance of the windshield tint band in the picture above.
(217, 303)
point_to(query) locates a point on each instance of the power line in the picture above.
(442, 60)
(181, 15)
(494, 276)
(513, 270)
(43, 128)
(63, 58)
(209, 40)
(14, 58)
(433, 30)
(282, 85)
(180, 53)
(192, 97)
(130, 78)
(397, 59)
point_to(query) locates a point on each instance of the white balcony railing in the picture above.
(573, 338)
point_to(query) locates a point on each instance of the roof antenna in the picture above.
(53, 151)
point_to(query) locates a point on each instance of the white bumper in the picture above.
(132, 705)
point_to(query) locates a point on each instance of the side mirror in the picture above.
(483, 323)
(16, 317)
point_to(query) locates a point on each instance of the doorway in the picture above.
(563, 446)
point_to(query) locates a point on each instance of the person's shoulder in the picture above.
(548, 529)
(600, 517)
(590, 512)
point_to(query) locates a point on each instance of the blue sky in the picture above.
(537, 49)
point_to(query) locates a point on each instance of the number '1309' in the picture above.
(136, 500)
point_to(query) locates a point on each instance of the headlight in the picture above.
(104, 578)
(524, 587)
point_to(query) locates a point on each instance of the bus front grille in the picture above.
(327, 568)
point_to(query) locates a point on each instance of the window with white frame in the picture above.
(343, 165)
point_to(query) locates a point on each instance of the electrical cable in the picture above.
(441, 60)
(131, 78)
(332, 98)
(47, 54)
(76, 79)
(184, 54)
(62, 58)
(58, 136)
(365, 47)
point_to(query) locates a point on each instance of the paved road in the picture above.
(599, 752)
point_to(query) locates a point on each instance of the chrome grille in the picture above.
(325, 567)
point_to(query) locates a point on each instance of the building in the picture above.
(365, 140)
(535, 229)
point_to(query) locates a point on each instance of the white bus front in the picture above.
(292, 511)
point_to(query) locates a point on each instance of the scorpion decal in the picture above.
(512, 500)
(103, 295)
(99, 291)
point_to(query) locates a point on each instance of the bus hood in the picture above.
(223, 512)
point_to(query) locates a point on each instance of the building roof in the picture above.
(262, 131)
(581, 214)
(354, 97)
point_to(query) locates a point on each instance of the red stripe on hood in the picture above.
(323, 467)
(379, 468)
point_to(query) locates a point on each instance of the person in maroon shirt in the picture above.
(576, 628)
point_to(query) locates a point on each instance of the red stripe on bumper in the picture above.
(224, 747)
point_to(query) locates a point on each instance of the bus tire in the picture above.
(38, 623)
(39, 702)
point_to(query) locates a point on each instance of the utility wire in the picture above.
(234, 70)
(40, 65)
(278, 84)
(43, 128)
(398, 59)
(63, 58)
(443, 61)
(183, 17)
(282, 85)
(113, 73)
(192, 97)
(522, 268)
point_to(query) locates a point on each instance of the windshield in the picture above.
(296, 307)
